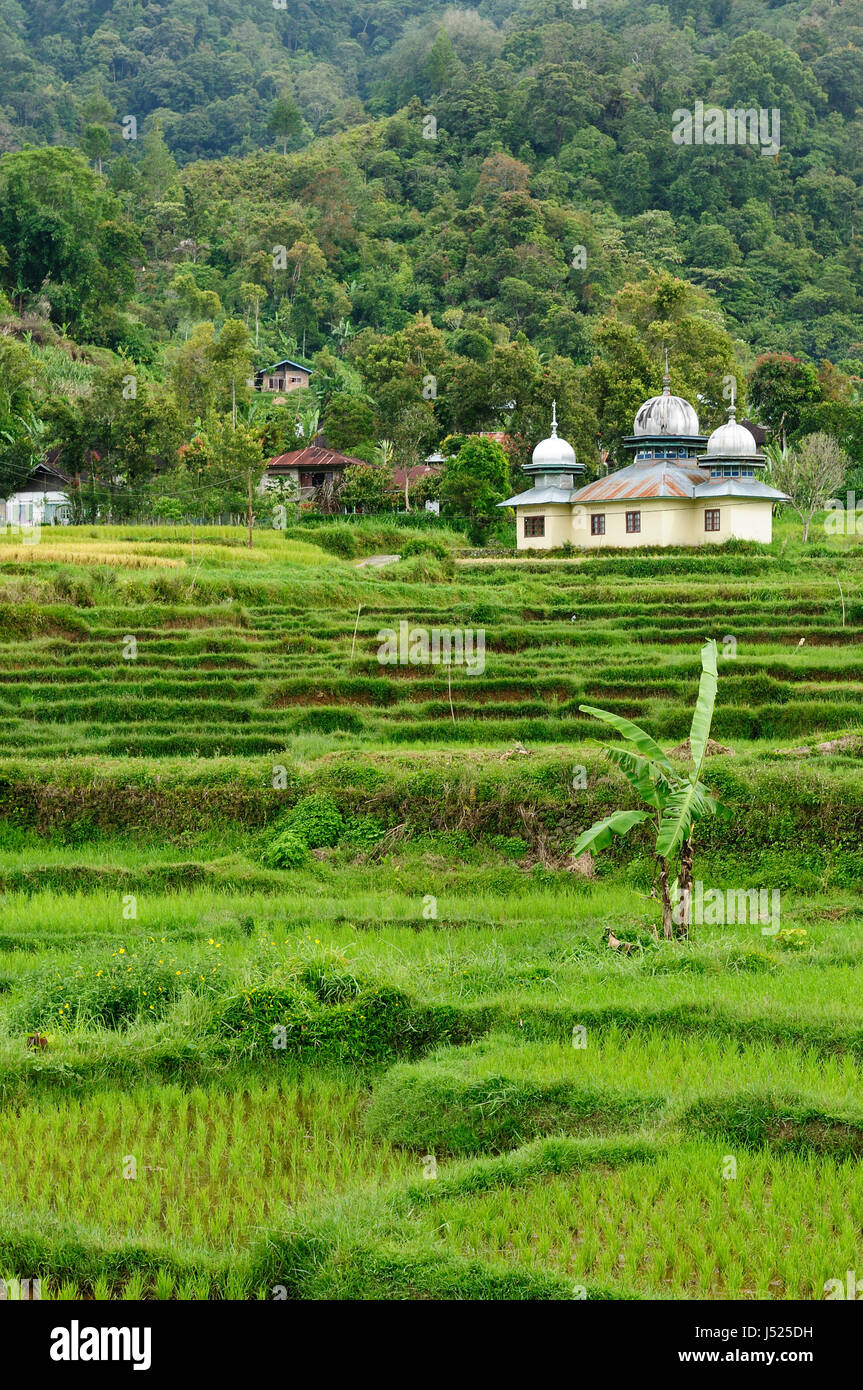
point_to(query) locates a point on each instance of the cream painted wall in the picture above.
(558, 526)
(753, 521)
(664, 521)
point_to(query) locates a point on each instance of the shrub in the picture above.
(510, 846)
(317, 820)
(329, 983)
(376, 1024)
(425, 546)
(362, 831)
(792, 939)
(287, 850)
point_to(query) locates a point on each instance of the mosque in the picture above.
(675, 492)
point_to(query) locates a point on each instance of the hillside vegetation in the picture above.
(453, 215)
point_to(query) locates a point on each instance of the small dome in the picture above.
(732, 441)
(554, 455)
(666, 414)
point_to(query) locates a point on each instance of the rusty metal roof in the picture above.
(312, 457)
(642, 481)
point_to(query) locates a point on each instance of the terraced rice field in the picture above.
(409, 1064)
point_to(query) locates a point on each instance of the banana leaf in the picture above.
(634, 734)
(600, 836)
(703, 716)
(683, 807)
(647, 779)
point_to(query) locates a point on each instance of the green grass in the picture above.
(426, 1126)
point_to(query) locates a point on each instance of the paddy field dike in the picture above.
(302, 992)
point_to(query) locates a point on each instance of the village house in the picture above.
(312, 472)
(282, 376)
(675, 492)
(41, 500)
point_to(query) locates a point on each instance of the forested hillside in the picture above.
(452, 214)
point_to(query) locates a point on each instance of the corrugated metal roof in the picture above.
(537, 496)
(738, 487)
(642, 481)
(312, 456)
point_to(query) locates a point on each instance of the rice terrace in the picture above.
(305, 992)
(431, 683)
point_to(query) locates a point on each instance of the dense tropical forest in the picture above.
(453, 215)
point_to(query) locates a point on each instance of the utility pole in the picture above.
(251, 513)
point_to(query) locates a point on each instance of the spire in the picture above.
(732, 409)
(666, 380)
(554, 419)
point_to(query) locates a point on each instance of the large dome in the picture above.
(732, 441)
(666, 414)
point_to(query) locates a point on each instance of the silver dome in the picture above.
(666, 414)
(553, 454)
(732, 440)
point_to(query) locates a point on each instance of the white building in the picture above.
(39, 502)
(671, 494)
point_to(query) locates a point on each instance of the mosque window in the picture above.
(711, 519)
(534, 526)
(597, 524)
(633, 523)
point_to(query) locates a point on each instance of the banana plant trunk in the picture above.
(685, 911)
(667, 910)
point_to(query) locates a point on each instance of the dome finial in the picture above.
(732, 409)
(554, 419)
(666, 380)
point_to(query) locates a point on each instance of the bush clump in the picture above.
(317, 819)
(379, 1023)
(287, 850)
(315, 822)
(330, 984)
(363, 832)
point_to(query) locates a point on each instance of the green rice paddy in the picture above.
(409, 1065)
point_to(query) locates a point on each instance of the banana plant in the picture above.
(676, 803)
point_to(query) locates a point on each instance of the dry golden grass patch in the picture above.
(91, 555)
